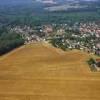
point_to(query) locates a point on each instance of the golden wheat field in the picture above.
(42, 72)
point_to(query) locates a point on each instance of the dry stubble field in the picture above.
(42, 72)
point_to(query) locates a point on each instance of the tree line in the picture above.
(9, 41)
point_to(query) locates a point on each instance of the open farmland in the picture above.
(42, 72)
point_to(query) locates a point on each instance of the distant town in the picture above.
(82, 36)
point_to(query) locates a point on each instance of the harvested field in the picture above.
(42, 72)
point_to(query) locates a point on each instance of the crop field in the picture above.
(41, 72)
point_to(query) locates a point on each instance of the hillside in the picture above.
(42, 72)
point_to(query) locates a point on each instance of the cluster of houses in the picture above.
(91, 28)
(27, 33)
(83, 36)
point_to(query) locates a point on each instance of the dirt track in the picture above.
(42, 72)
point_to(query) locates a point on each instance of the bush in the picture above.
(91, 61)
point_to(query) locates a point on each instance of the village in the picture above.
(82, 36)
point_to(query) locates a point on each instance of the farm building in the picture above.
(97, 62)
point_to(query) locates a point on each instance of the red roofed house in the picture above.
(97, 62)
(97, 49)
(48, 29)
